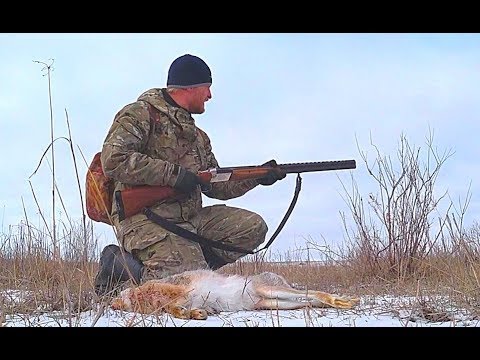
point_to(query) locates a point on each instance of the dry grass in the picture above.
(394, 246)
(45, 284)
(33, 280)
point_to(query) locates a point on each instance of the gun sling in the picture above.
(207, 243)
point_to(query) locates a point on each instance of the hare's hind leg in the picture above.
(282, 304)
(288, 298)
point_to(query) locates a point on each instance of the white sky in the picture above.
(292, 97)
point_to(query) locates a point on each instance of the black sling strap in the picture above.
(174, 228)
(298, 187)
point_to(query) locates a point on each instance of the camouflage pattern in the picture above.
(229, 225)
(133, 153)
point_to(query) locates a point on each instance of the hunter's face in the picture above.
(198, 97)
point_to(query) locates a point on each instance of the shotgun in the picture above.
(133, 200)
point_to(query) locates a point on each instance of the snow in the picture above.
(373, 311)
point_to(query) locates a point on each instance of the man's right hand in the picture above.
(186, 181)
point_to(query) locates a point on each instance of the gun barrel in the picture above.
(319, 166)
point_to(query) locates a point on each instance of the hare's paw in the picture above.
(198, 314)
(344, 303)
(178, 312)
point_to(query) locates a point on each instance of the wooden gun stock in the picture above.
(131, 201)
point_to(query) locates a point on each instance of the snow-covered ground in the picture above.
(380, 311)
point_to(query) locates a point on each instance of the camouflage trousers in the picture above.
(164, 253)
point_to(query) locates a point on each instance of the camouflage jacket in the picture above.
(135, 154)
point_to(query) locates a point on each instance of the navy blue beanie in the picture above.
(188, 71)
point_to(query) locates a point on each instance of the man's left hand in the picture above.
(273, 175)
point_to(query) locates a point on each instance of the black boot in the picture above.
(116, 267)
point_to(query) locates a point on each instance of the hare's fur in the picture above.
(195, 294)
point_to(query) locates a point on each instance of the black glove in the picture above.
(273, 175)
(187, 181)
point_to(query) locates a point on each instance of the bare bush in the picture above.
(395, 236)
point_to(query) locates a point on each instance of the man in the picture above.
(170, 151)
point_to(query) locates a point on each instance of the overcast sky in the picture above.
(291, 97)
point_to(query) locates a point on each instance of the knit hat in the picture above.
(188, 71)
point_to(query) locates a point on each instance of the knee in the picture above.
(258, 228)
